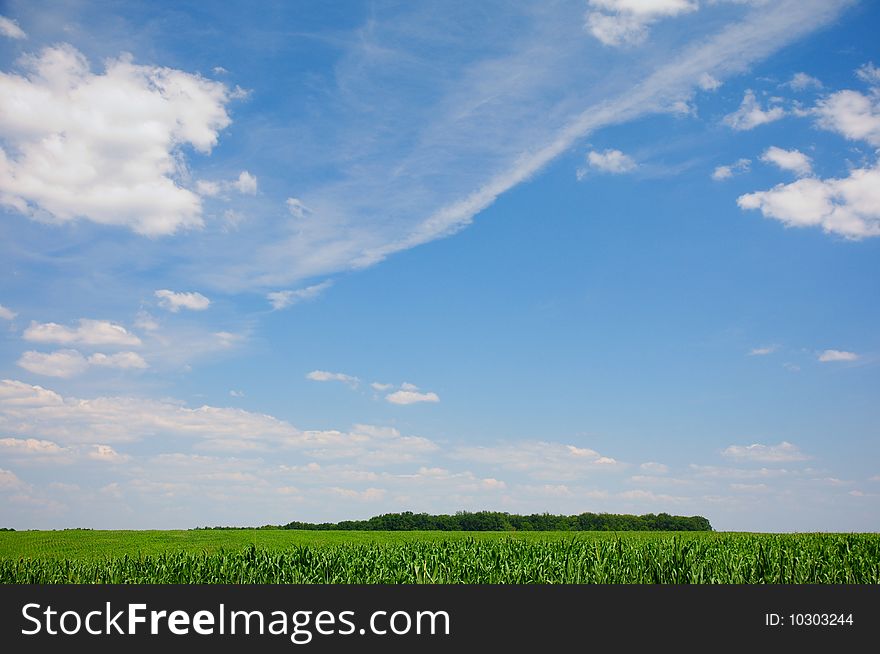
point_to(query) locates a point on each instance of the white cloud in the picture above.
(107, 454)
(69, 363)
(430, 165)
(227, 340)
(105, 147)
(246, 183)
(750, 114)
(235, 393)
(324, 376)
(837, 355)
(174, 302)
(121, 360)
(381, 387)
(851, 114)
(9, 479)
(657, 468)
(284, 299)
(30, 447)
(89, 332)
(610, 161)
(849, 207)
(783, 452)
(763, 350)
(708, 83)
(7, 314)
(626, 22)
(32, 410)
(538, 459)
(802, 82)
(296, 208)
(144, 320)
(869, 73)
(10, 29)
(726, 172)
(792, 160)
(410, 394)
(208, 188)
(61, 363)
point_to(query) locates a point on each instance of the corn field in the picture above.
(721, 559)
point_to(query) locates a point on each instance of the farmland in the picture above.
(350, 557)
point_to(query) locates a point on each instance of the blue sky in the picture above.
(321, 262)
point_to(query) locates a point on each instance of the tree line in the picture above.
(497, 521)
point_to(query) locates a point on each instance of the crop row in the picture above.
(737, 559)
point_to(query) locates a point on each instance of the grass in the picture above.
(269, 556)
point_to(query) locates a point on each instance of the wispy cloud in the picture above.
(7, 313)
(751, 114)
(726, 172)
(443, 166)
(626, 22)
(283, 299)
(783, 452)
(763, 350)
(10, 29)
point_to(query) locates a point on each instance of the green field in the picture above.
(347, 557)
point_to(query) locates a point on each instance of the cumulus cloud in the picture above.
(726, 172)
(750, 114)
(89, 332)
(30, 446)
(32, 412)
(10, 29)
(283, 299)
(324, 376)
(626, 22)
(69, 363)
(802, 82)
(791, 160)
(378, 386)
(107, 454)
(610, 161)
(783, 452)
(105, 147)
(410, 394)
(174, 302)
(6, 313)
(61, 363)
(246, 183)
(852, 114)
(849, 206)
(828, 356)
